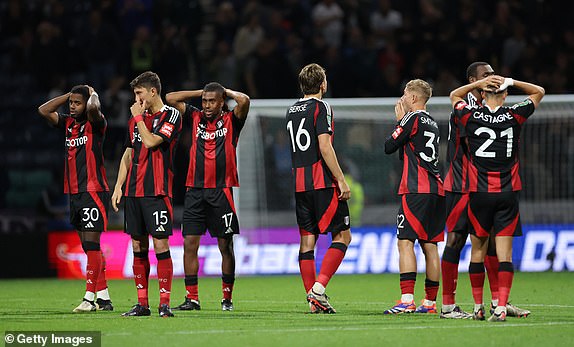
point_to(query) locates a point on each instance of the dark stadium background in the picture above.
(48, 46)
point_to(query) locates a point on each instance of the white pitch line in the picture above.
(378, 328)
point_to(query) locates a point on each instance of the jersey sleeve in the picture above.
(324, 123)
(236, 122)
(62, 123)
(100, 125)
(522, 110)
(128, 139)
(169, 126)
(402, 133)
(461, 112)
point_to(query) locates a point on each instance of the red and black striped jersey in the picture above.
(306, 120)
(212, 155)
(417, 137)
(456, 178)
(151, 169)
(84, 165)
(493, 141)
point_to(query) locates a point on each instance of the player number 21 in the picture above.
(482, 152)
(301, 132)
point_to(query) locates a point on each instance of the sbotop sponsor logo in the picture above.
(210, 135)
(80, 141)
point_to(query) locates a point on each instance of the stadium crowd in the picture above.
(369, 47)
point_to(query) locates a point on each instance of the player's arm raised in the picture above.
(243, 102)
(489, 83)
(177, 99)
(149, 140)
(93, 107)
(534, 92)
(328, 153)
(48, 109)
(122, 175)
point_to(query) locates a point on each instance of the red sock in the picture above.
(227, 281)
(505, 277)
(141, 274)
(491, 264)
(164, 276)
(192, 292)
(333, 258)
(407, 282)
(93, 270)
(431, 289)
(449, 279)
(102, 283)
(476, 274)
(307, 269)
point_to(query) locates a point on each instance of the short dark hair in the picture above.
(215, 87)
(147, 80)
(472, 68)
(310, 78)
(82, 90)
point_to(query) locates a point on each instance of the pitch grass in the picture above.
(271, 311)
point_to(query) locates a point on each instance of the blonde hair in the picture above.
(420, 87)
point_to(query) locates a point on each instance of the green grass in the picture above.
(271, 311)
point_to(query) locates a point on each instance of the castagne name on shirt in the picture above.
(490, 118)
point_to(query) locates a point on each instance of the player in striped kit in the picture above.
(421, 214)
(493, 137)
(321, 191)
(211, 176)
(85, 180)
(457, 225)
(146, 174)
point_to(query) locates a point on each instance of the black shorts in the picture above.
(495, 214)
(210, 209)
(421, 217)
(457, 213)
(150, 215)
(320, 211)
(89, 211)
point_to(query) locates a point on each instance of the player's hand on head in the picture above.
(90, 89)
(492, 83)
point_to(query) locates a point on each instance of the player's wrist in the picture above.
(138, 118)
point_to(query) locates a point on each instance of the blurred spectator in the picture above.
(328, 21)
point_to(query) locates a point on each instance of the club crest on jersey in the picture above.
(398, 131)
(82, 128)
(166, 129)
(220, 123)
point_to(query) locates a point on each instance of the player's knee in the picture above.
(456, 241)
(451, 255)
(340, 246)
